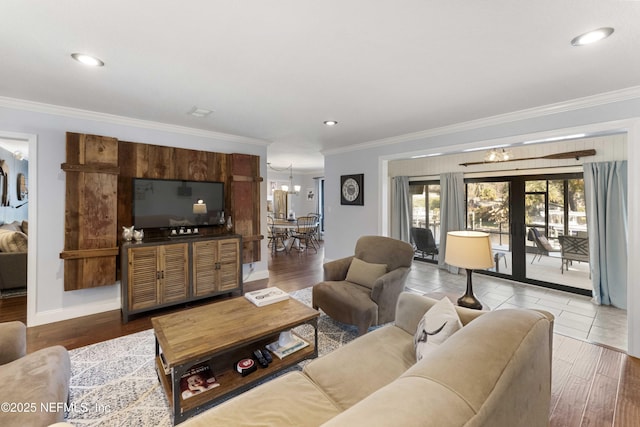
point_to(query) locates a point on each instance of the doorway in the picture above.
(19, 156)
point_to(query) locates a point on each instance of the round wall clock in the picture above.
(352, 190)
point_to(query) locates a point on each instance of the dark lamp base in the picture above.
(468, 299)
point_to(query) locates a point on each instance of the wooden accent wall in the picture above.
(112, 198)
(90, 243)
(245, 190)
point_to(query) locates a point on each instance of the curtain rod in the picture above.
(480, 174)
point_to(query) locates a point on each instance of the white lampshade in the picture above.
(468, 249)
(284, 187)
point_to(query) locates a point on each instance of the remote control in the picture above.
(267, 355)
(261, 360)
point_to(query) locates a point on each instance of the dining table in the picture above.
(287, 225)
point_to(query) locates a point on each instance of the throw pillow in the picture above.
(13, 241)
(365, 273)
(437, 324)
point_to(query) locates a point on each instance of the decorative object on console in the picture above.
(352, 190)
(138, 235)
(127, 233)
(469, 250)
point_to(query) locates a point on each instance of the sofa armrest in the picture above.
(13, 341)
(336, 270)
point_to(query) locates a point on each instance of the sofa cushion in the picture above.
(437, 324)
(362, 366)
(365, 273)
(13, 241)
(290, 400)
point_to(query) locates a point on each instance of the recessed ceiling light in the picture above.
(330, 122)
(592, 36)
(89, 60)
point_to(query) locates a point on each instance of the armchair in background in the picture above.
(363, 289)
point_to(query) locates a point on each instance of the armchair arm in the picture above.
(386, 290)
(13, 341)
(336, 270)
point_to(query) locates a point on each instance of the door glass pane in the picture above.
(577, 210)
(554, 209)
(425, 214)
(488, 210)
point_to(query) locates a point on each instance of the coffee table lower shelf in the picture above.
(231, 382)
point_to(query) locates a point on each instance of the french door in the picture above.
(526, 217)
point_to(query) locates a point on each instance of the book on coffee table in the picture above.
(266, 296)
(291, 347)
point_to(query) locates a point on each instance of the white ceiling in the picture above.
(275, 70)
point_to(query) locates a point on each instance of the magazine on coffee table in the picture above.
(197, 379)
(291, 347)
(266, 296)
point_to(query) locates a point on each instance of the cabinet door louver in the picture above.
(174, 272)
(229, 265)
(143, 267)
(204, 267)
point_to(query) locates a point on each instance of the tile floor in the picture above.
(576, 316)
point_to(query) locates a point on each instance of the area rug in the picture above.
(114, 383)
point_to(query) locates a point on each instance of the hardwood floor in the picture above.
(592, 385)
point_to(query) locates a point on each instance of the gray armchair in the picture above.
(31, 379)
(363, 289)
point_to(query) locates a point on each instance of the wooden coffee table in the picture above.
(223, 333)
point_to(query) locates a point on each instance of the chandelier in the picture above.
(291, 188)
(498, 155)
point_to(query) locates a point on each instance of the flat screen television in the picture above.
(164, 203)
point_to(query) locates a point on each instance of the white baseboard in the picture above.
(51, 316)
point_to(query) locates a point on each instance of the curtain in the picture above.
(605, 187)
(401, 218)
(451, 212)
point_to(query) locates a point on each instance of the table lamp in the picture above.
(469, 250)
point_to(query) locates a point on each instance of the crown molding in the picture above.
(76, 113)
(545, 110)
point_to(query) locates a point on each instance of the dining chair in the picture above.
(276, 235)
(303, 234)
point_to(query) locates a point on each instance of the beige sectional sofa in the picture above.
(495, 371)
